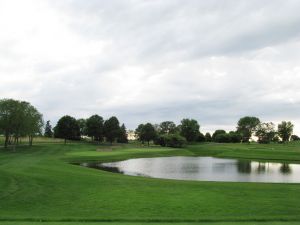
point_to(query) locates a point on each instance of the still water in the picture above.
(205, 169)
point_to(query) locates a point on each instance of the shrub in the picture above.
(171, 140)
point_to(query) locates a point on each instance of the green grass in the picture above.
(38, 183)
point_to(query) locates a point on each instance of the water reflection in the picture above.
(285, 168)
(244, 166)
(205, 168)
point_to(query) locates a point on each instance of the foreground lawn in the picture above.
(141, 223)
(38, 183)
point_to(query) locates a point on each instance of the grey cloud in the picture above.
(156, 60)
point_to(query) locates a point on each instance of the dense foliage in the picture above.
(285, 130)
(94, 127)
(67, 128)
(19, 119)
(247, 126)
(189, 128)
(111, 129)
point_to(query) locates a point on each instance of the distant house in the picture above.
(131, 135)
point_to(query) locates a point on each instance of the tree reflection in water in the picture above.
(285, 168)
(244, 166)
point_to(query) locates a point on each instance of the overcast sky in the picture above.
(154, 60)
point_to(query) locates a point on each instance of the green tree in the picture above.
(265, 132)
(167, 127)
(19, 119)
(235, 137)
(285, 130)
(111, 129)
(201, 137)
(123, 135)
(48, 130)
(95, 127)
(146, 132)
(247, 126)
(216, 133)
(33, 121)
(67, 128)
(208, 137)
(189, 128)
(139, 132)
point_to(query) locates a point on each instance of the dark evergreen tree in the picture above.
(123, 135)
(48, 130)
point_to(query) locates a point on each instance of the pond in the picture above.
(204, 169)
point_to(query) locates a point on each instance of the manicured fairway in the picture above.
(38, 183)
(139, 223)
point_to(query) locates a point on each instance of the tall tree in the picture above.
(247, 126)
(147, 132)
(19, 119)
(48, 129)
(285, 130)
(123, 135)
(208, 137)
(189, 129)
(111, 129)
(167, 127)
(265, 132)
(94, 127)
(67, 128)
(33, 120)
(216, 133)
(139, 132)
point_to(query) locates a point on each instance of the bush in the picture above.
(171, 140)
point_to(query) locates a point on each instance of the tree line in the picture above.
(169, 134)
(21, 119)
(95, 127)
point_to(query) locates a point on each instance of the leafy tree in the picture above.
(48, 130)
(139, 132)
(111, 129)
(189, 128)
(285, 130)
(247, 126)
(295, 138)
(67, 128)
(146, 132)
(265, 132)
(19, 119)
(95, 127)
(208, 137)
(82, 126)
(9, 118)
(216, 133)
(123, 135)
(201, 137)
(33, 121)
(167, 127)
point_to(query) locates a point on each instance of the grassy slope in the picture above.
(36, 183)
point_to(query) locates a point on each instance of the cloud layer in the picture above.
(214, 61)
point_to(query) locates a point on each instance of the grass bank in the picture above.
(37, 183)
